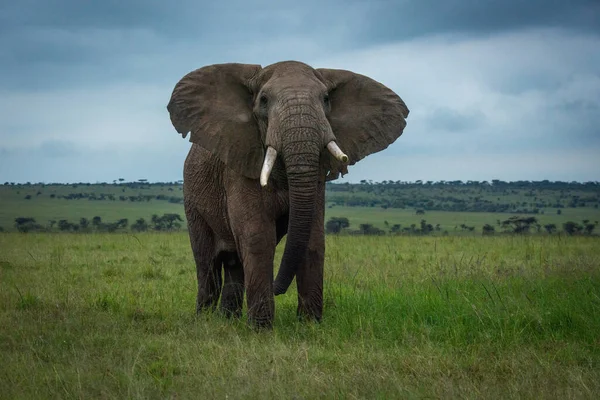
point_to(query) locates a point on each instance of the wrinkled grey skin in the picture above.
(234, 112)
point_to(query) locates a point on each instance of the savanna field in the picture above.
(424, 314)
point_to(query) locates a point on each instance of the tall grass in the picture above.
(112, 316)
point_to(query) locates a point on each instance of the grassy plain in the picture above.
(112, 316)
(44, 208)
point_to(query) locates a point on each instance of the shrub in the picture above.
(26, 224)
(336, 224)
(140, 225)
(488, 230)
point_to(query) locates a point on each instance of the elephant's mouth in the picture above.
(271, 156)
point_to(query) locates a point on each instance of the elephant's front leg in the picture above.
(208, 265)
(309, 278)
(255, 235)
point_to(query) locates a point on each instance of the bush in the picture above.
(572, 228)
(167, 222)
(369, 229)
(488, 230)
(550, 228)
(336, 224)
(140, 225)
(26, 224)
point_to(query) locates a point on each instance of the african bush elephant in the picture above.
(257, 169)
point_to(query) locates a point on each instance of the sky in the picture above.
(504, 89)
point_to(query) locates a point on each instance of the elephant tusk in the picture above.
(267, 166)
(336, 152)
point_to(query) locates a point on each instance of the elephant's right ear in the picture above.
(214, 103)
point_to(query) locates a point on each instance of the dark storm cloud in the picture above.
(43, 39)
(398, 20)
(387, 19)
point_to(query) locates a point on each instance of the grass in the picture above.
(112, 316)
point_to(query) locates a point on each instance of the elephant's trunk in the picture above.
(301, 158)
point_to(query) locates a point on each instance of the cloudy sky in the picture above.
(506, 89)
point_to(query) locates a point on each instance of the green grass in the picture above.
(112, 316)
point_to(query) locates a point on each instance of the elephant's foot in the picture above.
(310, 287)
(261, 311)
(310, 309)
(209, 290)
(205, 303)
(232, 301)
(232, 297)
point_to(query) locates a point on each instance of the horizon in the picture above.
(335, 182)
(495, 89)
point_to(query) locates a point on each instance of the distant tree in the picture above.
(96, 221)
(26, 224)
(519, 224)
(369, 229)
(121, 179)
(28, 197)
(65, 225)
(589, 228)
(426, 228)
(336, 224)
(550, 228)
(140, 225)
(396, 228)
(23, 220)
(572, 228)
(84, 223)
(488, 229)
(559, 211)
(167, 222)
(420, 212)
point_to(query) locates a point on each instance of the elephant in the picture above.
(264, 142)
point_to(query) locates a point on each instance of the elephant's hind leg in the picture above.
(208, 264)
(232, 298)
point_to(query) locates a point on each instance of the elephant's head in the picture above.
(316, 121)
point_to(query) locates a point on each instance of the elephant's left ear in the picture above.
(366, 116)
(214, 104)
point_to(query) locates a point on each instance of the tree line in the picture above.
(165, 223)
(514, 225)
(111, 197)
(335, 225)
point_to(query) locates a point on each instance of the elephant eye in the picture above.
(326, 100)
(263, 100)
